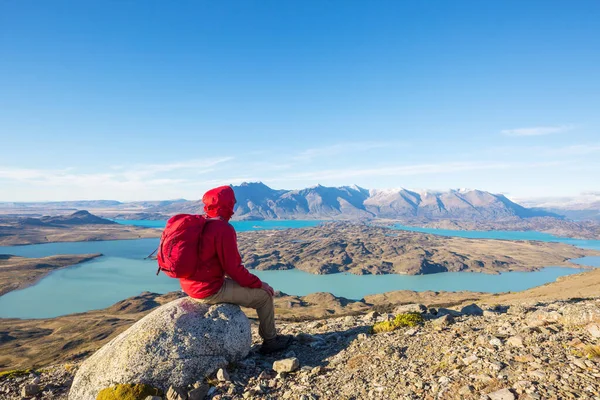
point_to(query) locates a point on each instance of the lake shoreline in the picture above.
(126, 257)
(14, 266)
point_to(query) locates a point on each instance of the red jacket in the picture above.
(219, 253)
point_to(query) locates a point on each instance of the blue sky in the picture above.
(134, 100)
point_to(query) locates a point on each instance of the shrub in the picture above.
(401, 320)
(13, 373)
(128, 392)
(592, 352)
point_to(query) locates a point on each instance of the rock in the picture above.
(593, 330)
(496, 342)
(444, 380)
(472, 309)
(446, 311)
(175, 394)
(153, 398)
(198, 393)
(30, 390)
(371, 316)
(503, 394)
(579, 363)
(222, 375)
(175, 345)
(515, 341)
(538, 374)
(36, 380)
(574, 315)
(466, 390)
(444, 320)
(362, 336)
(542, 317)
(286, 365)
(470, 360)
(411, 308)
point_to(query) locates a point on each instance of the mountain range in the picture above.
(583, 207)
(257, 201)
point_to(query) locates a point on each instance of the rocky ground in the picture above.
(366, 249)
(548, 350)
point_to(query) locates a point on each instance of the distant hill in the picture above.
(257, 201)
(583, 207)
(81, 217)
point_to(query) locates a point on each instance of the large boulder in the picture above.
(177, 344)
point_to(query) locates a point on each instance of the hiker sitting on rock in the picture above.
(219, 256)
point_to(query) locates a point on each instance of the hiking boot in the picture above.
(278, 343)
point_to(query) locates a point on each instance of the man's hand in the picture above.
(265, 286)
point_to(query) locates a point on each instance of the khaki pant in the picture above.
(258, 299)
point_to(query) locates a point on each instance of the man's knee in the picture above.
(262, 298)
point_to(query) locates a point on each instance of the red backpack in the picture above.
(179, 249)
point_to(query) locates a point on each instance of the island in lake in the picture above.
(365, 249)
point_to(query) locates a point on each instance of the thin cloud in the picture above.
(116, 177)
(538, 130)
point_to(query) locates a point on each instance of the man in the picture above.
(219, 256)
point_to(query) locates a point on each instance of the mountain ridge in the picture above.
(257, 201)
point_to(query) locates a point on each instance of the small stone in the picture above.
(349, 320)
(444, 320)
(472, 309)
(466, 390)
(198, 393)
(264, 375)
(446, 311)
(503, 394)
(525, 358)
(318, 370)
(444, 380)
(36, 380)
(371, 316)
(482, 378)
(538, 374)
(496, 342)
(411, 308)
(522, 386)
(361, 336)
(410, 332)
(223, 375)
(30, 390)
(579, 363)
(286, 365)
(470, 360)
(176, 394)
(515, 341)
(593, 330)
(496, 366)
(153, 398)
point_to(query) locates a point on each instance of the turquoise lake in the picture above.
(122, 272)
